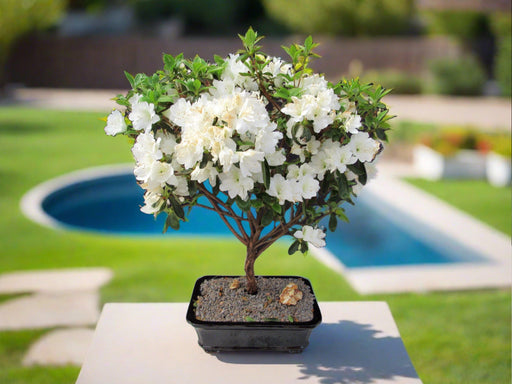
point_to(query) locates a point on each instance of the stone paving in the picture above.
(60, 347)
(54, 298)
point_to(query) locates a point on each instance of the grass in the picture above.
(460, 337)
(490, 204)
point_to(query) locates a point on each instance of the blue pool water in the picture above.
(111, 204)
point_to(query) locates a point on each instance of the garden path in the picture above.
(64, 298)
(480, 112)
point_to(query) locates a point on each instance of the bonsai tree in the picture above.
(270, 146)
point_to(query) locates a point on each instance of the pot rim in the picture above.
(191, 319)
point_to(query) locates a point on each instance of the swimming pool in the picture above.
(375, 236)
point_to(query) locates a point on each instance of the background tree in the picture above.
(19, 17)
(344, 17)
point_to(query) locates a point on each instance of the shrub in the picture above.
(201, 16)
(345, 17)
(502, 28)
(264, 143)
(399, 82)
(463, 76)
(19, 17)
(458, 23)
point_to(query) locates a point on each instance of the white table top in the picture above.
(357, 342)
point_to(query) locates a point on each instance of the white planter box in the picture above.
(465, 164)
(498, 170)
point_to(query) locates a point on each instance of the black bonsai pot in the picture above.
(221, 336)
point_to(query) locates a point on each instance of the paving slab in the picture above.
(45, 310)
(60, 347)
(54, 280)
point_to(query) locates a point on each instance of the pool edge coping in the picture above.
(31, 202)
(494, 272)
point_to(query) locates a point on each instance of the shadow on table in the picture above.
(344, 352)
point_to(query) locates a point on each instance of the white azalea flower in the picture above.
(293, 172)
(298, 150)
(371, 173)
(306, 170)
(299, 108)
(353, 123)
(278, 67)
(189, 152)
(321, 163)
(153, 175)
(250, 162)
(146, 147)
(344, 157)
(280, 188)
(235, 184)
(315, 236)
(275, 159)
(143, 116)
(363, 146)
(167, 142)
(152, 203)
(251, 114)
(308, 187)
(181, 185)
(233, 71)
(178, 112)
(267, 139)
(227, 157)
(115, 123)
(313, 145)
(209, 172)
(314, 84)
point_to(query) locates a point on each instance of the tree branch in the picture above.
(223, 213)
(217, 203)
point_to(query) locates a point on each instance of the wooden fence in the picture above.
(99, 62)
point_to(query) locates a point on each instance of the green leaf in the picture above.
(177, 208)
(249, 319)
(294, 247)
(172, 221)
(277, 208)
(167, 99)
(266, 174)
(333, 222)
(340, 213)
(268, 216)
(130, 78)
(343, 187)
(244, 205)
(257, 204)
(290, 318)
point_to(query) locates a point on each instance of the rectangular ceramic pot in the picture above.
(252, 336)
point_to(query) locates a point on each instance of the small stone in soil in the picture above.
(291, 295)
(236, 305)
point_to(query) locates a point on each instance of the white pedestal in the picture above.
(357, 342)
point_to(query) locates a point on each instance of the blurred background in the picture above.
(61, 61)
(454, 47)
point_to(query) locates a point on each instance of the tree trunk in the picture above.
(252, 286)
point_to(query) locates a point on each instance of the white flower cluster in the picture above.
(226, 136)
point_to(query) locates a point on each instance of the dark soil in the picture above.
(217, 302)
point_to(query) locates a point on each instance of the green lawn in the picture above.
(476, 197)
(461, 337)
